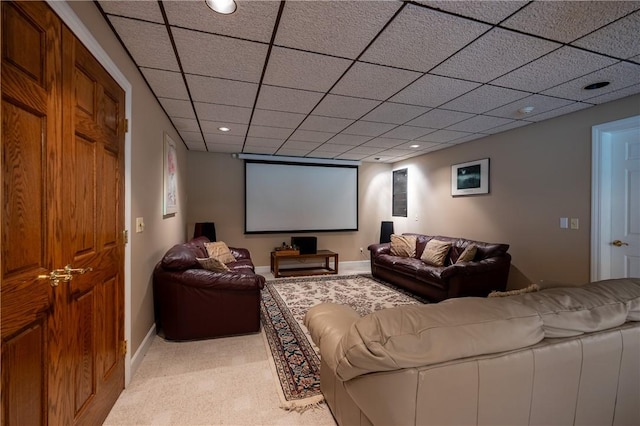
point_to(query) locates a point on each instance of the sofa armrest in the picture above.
(378, 249)
(240, 253)
(473, 267)
(327, 323)
(477, 278)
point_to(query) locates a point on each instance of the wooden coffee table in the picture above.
(326, 269)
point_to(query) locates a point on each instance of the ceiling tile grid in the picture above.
(377, 80)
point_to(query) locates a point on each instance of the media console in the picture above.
(325, 269)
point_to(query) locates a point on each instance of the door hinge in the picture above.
(125, 236)
(125, 125)
(124, 347)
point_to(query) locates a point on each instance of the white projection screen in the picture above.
(289, 197)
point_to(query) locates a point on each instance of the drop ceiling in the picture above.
(374, 80)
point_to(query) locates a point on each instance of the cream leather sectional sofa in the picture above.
(560, 356)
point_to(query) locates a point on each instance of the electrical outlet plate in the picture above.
(575, 223)
(139, 224)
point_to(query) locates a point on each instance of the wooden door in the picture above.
(62, 195)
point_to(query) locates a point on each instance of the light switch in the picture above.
(574, 223)
(139, 224)
(564, 222)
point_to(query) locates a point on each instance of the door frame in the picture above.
(601, 159)
(71, 20)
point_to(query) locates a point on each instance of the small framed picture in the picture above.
(470, 178)
(170, 205)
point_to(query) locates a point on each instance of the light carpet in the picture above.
(296, 360)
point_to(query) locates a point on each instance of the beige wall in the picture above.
(216, 194)
(538, 173)
(148, 122)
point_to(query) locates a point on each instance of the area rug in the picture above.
(285, 302)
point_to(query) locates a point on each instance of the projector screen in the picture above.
(289, 197)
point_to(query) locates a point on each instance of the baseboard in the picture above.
(137, 358)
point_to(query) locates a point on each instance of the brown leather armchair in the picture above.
(195, 303)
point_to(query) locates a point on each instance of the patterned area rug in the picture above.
(284, 304)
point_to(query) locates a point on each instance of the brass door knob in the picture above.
(619, 243)
(65, 274)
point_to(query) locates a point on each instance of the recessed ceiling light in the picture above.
(224, 129)
(225, 7)
(597, 85)
(526, 110)
(414, 146)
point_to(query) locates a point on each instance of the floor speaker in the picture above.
(386, 229)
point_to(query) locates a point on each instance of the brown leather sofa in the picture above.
(195, 303)
(488, 271)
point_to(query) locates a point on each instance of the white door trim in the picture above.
(76, 26)
(601, 193)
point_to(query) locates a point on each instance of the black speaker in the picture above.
(208, 229)
(386, 229)
(306, 245)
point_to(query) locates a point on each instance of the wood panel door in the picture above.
(62, 194)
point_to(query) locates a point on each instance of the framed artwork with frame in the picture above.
(470, 178)
(170, 204)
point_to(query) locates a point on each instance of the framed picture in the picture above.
(470, 178)
(170, 205)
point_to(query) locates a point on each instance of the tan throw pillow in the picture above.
(435, 252)
(220, 251)
(531, 289)
(403, 245)
(468, 254)
(212, 264)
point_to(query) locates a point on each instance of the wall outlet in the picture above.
(139, 224)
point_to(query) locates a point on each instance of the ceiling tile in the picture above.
(368, 128)
(365, 150)
(417, 30)
(618, 94)
(252, 20)
(310, 136)
(225, 57)
(266, 150)
(287, 120)
(351, 156)
(146, 10)
(323, 26)
(484, 98)
(303, 70)
(373, 81)
(220, 91)
(469, 138)
(222, 113)
(325, 124)
(218, 138)
(558, 66)
(508, 126)
(384, 142)
(494, 54)
(620, 75)
(352, 140)
(220, 147)
(166, 84)
(577, 106)
(322, 154)
(389, 112)
(191, 137)
(488, 11)
(308, 146)
(568, 20)
(344, 106)
(287, 100)
(432, 90)
(266, 142)
(186, 124)
(439, 118)
(293, 152)
(478, 124)
(269, 132)
(196, 146)
(147, 43)
(407, 132)
(178, 108)
(330, 147)
(443, 136)
(619, 38)
(212, 127)
(540, 104)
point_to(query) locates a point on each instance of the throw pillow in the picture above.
(220, 251)
(436, 252)
(468, 254)
(212, 264)
(532, 288)
(403, 245)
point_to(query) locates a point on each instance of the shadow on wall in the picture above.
(517, 279)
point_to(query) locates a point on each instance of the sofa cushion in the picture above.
(468, 254)
(403, 245)
(179, 258)
(220, 251)
(435, 253)
(418, 335)
(571, 311)
(212, 264)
